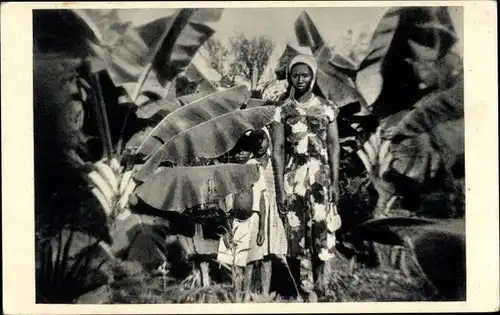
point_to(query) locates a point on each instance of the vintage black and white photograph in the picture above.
(249, 155)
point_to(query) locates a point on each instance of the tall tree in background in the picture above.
(243, 58)
(218, 55)
(250, 55)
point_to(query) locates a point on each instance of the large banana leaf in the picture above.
(177, 39)
(433, 34)
(69, 32)
(307, 33)
(334, 84)
(440, 117)
(403, 33)
(152, 112)
(165, 46)
(126, 57)
(369, 74)
(190, 115)
(216, 136)
(382, 37)
(190, 98)
(159, 108)
(180, 188)
(209, 139)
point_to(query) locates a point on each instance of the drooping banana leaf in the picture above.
(369, 74)
(385, 230)
(172, 46)
(69, 32)
(440, 117)
(439, 107)
(209, 139)
(385, 78)
(180, 188)
(127, 57)
(307, 33)
(437, 246)
(165, 46)
(177, 39)
(222, 134)
(434, 33)
(192, 114)
(335, 85)
(382, 37)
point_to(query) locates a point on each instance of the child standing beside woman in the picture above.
(256, 231)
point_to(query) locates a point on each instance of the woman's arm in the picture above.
(277, 158)
(334, 159)
(262, 219)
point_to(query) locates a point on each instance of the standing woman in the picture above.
(306, 162)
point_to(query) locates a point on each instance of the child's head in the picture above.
(241, 152)
(254, 144)
(260, 142)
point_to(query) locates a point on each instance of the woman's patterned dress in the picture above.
(310, 217)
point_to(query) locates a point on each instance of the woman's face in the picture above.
(301, 77)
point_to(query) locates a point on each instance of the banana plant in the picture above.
(108, 181)
(377, 158)
(413, 154)
(384, 77)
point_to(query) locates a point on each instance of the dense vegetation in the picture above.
(131, 140)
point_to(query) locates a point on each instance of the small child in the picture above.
(244, 248)
(258, 231)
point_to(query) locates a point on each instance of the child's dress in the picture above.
(244, 231)
(275, 242)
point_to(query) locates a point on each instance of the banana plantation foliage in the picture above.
(136, 128)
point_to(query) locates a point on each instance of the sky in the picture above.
(278, 23)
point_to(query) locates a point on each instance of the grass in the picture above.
(347, 282)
